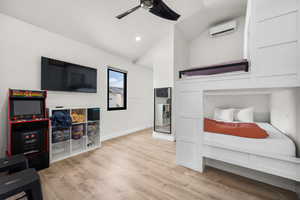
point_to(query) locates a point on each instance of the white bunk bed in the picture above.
(271, 44)
(277, 144)
(274, 155)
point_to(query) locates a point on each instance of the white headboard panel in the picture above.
(260, 103)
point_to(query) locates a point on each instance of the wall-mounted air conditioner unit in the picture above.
(223, 29)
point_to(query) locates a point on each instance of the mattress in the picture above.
(277, 144)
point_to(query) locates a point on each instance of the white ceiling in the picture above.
(93, 21)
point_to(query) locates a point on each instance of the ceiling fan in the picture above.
(156, 7)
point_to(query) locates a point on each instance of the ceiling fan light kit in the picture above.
(147, 4)
(156, 7)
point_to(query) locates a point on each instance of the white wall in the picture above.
(163, 63)
(206, 50)
(22, 46)
(160, 58)
(285, 113)
(181, 55)
(260, 103)
(181, 52)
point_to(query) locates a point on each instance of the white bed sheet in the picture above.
(277, 144)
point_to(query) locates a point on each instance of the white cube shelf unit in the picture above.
(82, 136)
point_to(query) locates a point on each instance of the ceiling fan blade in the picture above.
(128, 12)
(162, 10)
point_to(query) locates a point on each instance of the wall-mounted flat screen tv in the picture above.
(63, 76)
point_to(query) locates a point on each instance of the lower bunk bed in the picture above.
(275, 154)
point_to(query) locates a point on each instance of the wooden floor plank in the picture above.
(139, 167)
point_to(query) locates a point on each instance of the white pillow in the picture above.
(225, 115)
(244, 115)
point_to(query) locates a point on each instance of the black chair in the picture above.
(21, 180)
(27, 181)
(13, 164)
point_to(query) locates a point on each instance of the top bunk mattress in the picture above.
(277, 144)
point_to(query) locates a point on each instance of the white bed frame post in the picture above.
(200, 145)
(202, 165)
(188, 121)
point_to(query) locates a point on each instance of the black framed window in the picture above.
(116, 89)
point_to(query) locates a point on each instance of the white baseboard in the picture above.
(123, 133)
(255, 175)
(163, 136)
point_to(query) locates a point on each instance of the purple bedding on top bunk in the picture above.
(241, 65)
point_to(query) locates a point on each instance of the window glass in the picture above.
(117, 90)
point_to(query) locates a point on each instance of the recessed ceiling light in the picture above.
(138, 38)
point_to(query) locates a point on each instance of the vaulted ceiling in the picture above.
(93, 21)
(212, 13)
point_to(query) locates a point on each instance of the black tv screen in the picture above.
(27, 107)
(63, 76)
(162, 92)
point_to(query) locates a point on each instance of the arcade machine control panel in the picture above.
(28, 127)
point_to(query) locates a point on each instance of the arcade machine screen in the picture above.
(27, 107)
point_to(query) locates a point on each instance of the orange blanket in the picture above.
(248, 130)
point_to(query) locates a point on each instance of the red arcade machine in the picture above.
(28, 127)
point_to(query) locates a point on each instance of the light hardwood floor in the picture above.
(138, 167)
